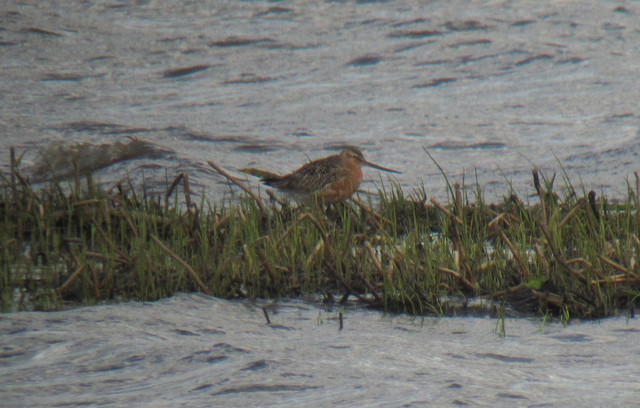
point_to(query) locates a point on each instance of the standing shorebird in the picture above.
(329, 180)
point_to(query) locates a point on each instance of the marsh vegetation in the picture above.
(569, 254)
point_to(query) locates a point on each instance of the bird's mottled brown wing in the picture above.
(311, 177)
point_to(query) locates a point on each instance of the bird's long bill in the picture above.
(375, 166)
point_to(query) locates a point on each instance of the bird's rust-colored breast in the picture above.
(345, 182)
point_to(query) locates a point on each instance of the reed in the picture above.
(569, 254)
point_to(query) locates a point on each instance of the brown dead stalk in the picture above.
(188, 267)
(461, 278)
(238, 183)
(524, 272)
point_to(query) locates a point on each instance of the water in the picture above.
(194, 350)
(490, 88)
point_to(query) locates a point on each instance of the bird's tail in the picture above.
(266, 177)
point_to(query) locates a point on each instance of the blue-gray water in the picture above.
(197, 351)
(489, 88)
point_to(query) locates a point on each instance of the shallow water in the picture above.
(194, 350)
(490, 88)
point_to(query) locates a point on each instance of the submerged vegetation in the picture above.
(570, 255)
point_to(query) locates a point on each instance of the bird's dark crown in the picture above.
(354, 152)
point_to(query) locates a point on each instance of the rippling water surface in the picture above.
(490, 88)
(194, 350)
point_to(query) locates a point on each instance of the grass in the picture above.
(569, 255)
